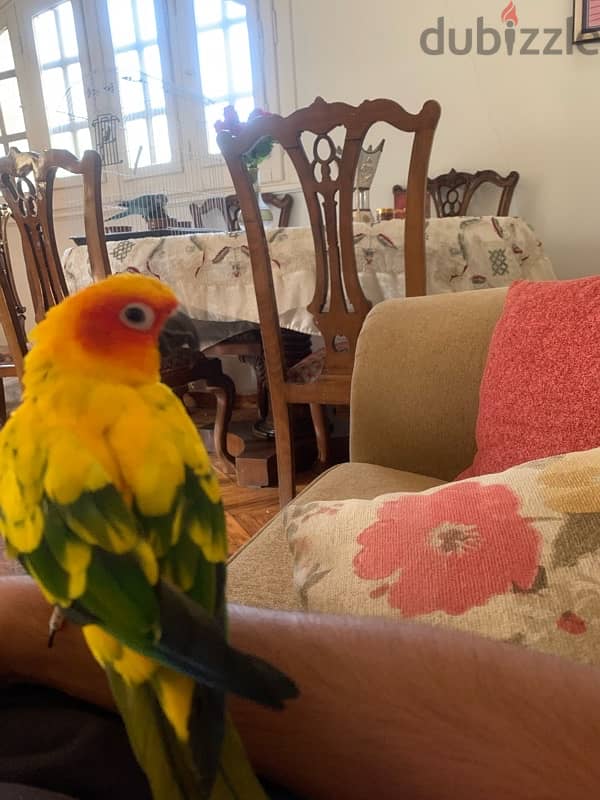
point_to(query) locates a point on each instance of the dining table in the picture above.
(211, 273)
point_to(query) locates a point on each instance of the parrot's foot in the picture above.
(57, 620)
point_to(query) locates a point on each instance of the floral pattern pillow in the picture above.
(513, 556)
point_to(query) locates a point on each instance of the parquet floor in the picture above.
(247, 510)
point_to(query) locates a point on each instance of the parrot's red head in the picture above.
(109, 329)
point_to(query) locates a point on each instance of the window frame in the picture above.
(181, 75)
(166, 46)
(7, 139)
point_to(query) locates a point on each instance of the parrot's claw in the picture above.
(57, 620)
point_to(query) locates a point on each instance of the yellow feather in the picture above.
(76, 557)
(214, 548)
(133, 667)
(108, 651)
(147, 561)
(175, 692)
(105, 648)
(71, 469)
(23, 525)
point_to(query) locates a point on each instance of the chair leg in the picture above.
(262, 390)
(286, 467)
(2, 403)
(317, 412)
(223, 389)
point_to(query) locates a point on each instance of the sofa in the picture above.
(414, 404)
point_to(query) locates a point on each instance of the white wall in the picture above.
(536, 114)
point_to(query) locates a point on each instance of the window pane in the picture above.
(213, 64)
(75, 89)
(63, 141)
(138, 146)
(146, 16)
(235, 10)
(153, 75)
(239, 52)
(84, 141)
(244, 106)
(162, 146)
(68, 35)
(131, 89)
(10, 103)
(212, 113)
(208, 12)
(122, 27)
(46, 37)
(6, 57)
(20, 144)
(55, 100)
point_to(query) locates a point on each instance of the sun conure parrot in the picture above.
(109, 501)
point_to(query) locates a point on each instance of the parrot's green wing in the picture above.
(117, 515)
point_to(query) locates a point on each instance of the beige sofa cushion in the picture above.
(514, 556)
(260, 574)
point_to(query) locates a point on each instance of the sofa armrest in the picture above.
(415, 387)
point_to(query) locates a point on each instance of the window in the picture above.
(140, 75)
(159, 71)
(225, 64)
(62, 81)
(12, 124)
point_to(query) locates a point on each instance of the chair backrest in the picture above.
(339, 305)
(12, 311)
(229, 208)
(452, 192)
(27, 185)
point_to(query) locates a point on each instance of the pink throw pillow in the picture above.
(540, 393)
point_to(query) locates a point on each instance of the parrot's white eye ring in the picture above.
(138, 316)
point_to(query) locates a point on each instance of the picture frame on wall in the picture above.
(586, 21)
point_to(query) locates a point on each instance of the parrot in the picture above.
(149, 206)
(109, 501)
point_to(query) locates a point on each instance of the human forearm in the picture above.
(25, 656)
(392, 710)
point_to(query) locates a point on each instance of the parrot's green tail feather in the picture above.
(212, 766)
(167, 764)
(235, 779)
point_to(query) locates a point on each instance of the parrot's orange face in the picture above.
(110, 329)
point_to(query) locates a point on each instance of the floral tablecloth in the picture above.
(212, 276)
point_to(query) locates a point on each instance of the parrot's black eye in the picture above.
(138, 316)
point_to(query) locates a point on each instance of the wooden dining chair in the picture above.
(247, 346)
(12, 316)
(339, 305)
(27, 184)
(229, 208)
(453, 192)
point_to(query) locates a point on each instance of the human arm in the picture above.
(24, 652)
(386, 710)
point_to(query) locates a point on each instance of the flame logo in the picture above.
(510, 13)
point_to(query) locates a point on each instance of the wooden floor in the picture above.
(247, 510)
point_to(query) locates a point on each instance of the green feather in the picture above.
(119, 596)
(102, 518)
(168, 764)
